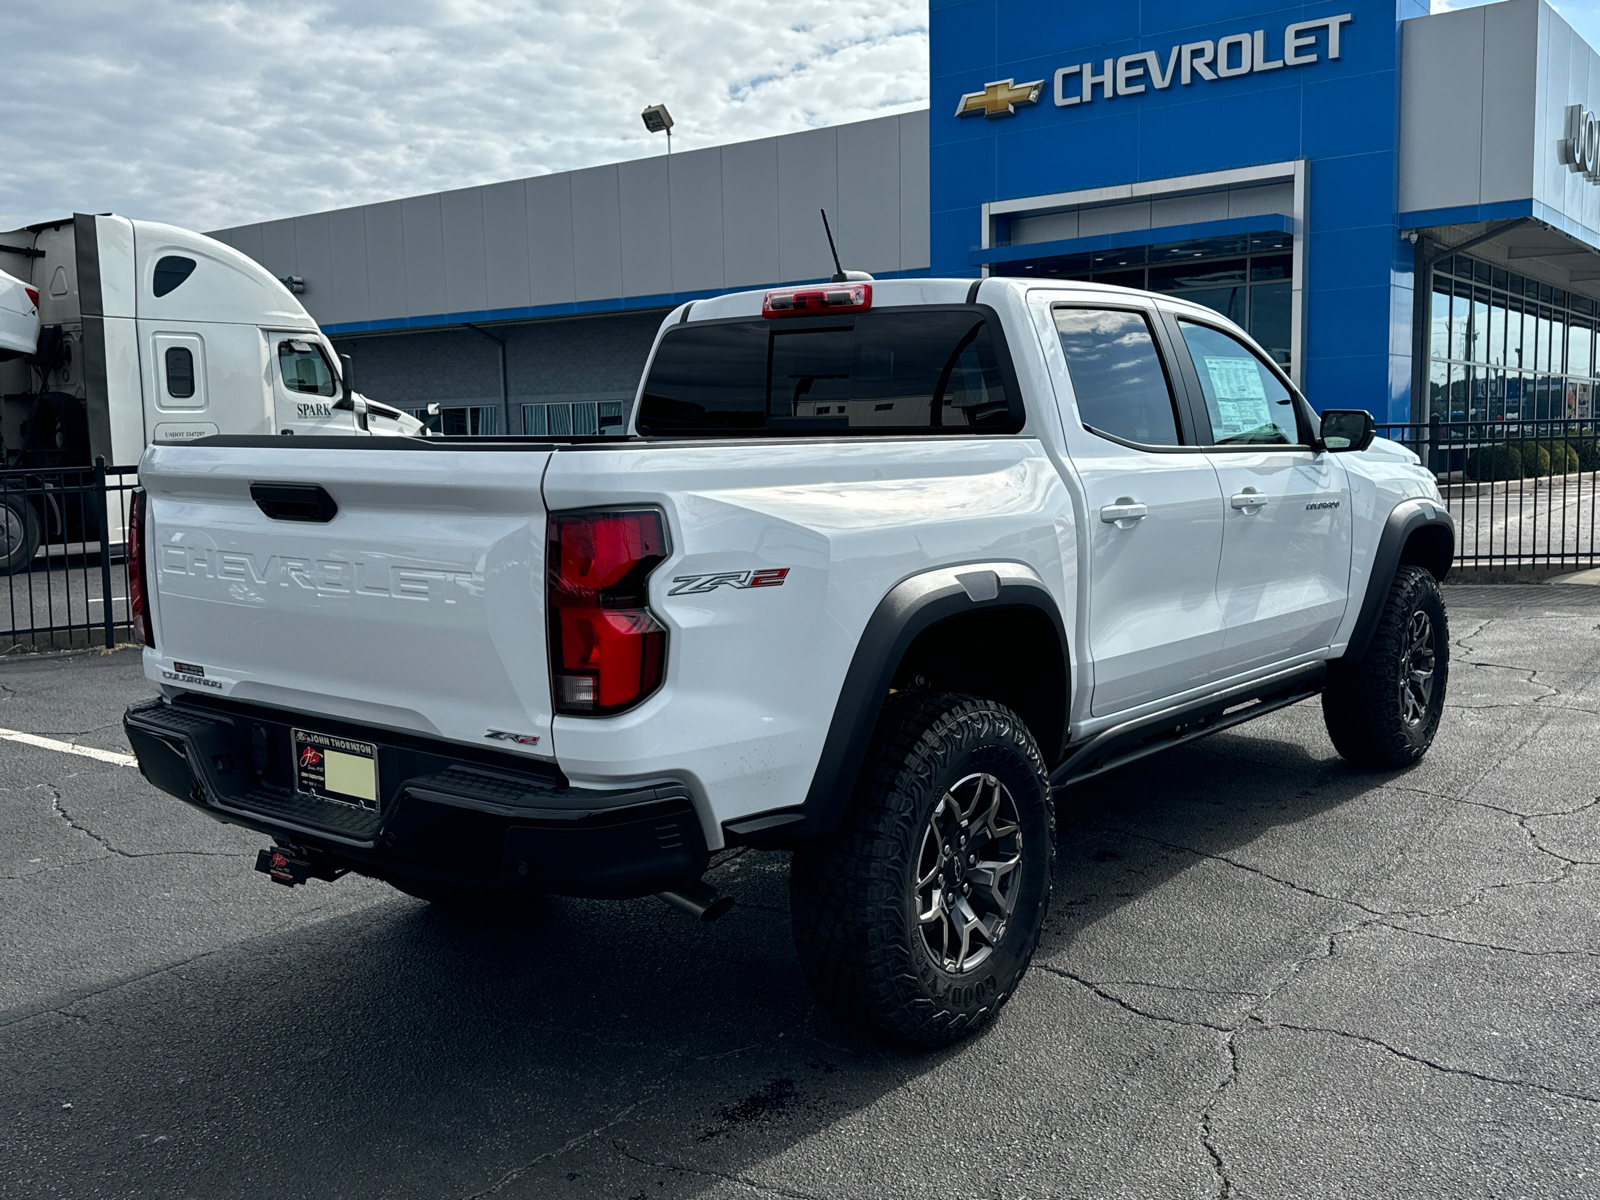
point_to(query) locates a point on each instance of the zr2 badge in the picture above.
(695, 585)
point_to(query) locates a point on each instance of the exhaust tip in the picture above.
(699, 900)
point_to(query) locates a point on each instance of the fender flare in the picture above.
(1408, 517)
(911, 607)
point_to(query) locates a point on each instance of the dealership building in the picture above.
(1403, 208)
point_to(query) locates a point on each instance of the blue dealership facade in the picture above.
(1403, 208)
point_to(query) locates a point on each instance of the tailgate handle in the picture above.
(294, 502)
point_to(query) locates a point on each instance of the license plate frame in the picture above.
(335, 769)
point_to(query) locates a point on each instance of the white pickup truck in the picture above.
(879, 567)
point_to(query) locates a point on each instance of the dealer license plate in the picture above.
(336, 769)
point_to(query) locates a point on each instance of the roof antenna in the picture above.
(840, 275)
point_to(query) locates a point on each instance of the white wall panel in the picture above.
(1186, 210)
(915, 197)
(423, 224)
(505, 234)
(697, 220)
(1550, 174)
(1260, 201)
(867, 224)
(808, 181)
(1510, 43)
(551, 277)
(1441, 106)
(646, 226)
(750, 213)
(466, 277)
(596, 233)
(1114, 218)
(386, 262)
(314, 260)
(347, 279)
(1048, 227)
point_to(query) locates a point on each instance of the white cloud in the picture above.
(210, 113)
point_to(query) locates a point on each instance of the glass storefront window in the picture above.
(1441, 322)
(1580, 350)
(1460, 322)
(1497, 332)
(1478, 351)
(1514, 334)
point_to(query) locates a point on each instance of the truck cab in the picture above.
(152, 334)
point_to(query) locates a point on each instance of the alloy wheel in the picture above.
(1416, 670)
(968, 873)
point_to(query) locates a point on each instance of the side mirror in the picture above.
(1345, 430)
(349, 376)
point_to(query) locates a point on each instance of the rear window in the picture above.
(899, 371)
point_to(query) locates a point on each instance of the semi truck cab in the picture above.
(152, 334)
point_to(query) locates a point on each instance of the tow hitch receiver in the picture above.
(285, 869)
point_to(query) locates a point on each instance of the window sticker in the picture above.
(1241, 400)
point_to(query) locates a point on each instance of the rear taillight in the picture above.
(607, 651)
(138, 597)
(818, 298)
(33, 296)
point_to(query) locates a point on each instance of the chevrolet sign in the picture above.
(1133, 74)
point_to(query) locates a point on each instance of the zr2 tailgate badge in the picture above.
(695, 585)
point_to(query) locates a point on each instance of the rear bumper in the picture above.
(444, 813)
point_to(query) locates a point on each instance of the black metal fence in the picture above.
(1524, 493)
(63, 534)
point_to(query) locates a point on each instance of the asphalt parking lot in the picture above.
(1264, 975)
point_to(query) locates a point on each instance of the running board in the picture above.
(1132, 740)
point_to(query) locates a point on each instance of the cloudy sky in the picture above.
(210, 113)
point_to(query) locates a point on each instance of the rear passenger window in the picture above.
(180, 372)
(1117, 376)
(889, 372)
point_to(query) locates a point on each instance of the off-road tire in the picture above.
(20, 534)
(853, 896)
(1365, 705)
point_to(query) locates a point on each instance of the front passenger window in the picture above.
(1247, 403)
(1117, 376)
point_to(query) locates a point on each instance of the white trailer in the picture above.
(147, 333)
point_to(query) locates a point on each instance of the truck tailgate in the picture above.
(418, 606)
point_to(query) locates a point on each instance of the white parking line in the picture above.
(33, 739)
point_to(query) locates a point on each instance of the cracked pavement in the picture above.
(1264, 975)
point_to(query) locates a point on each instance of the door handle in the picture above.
(1125, 509)
(1249, 499)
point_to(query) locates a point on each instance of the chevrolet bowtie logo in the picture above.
(1000, 99)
